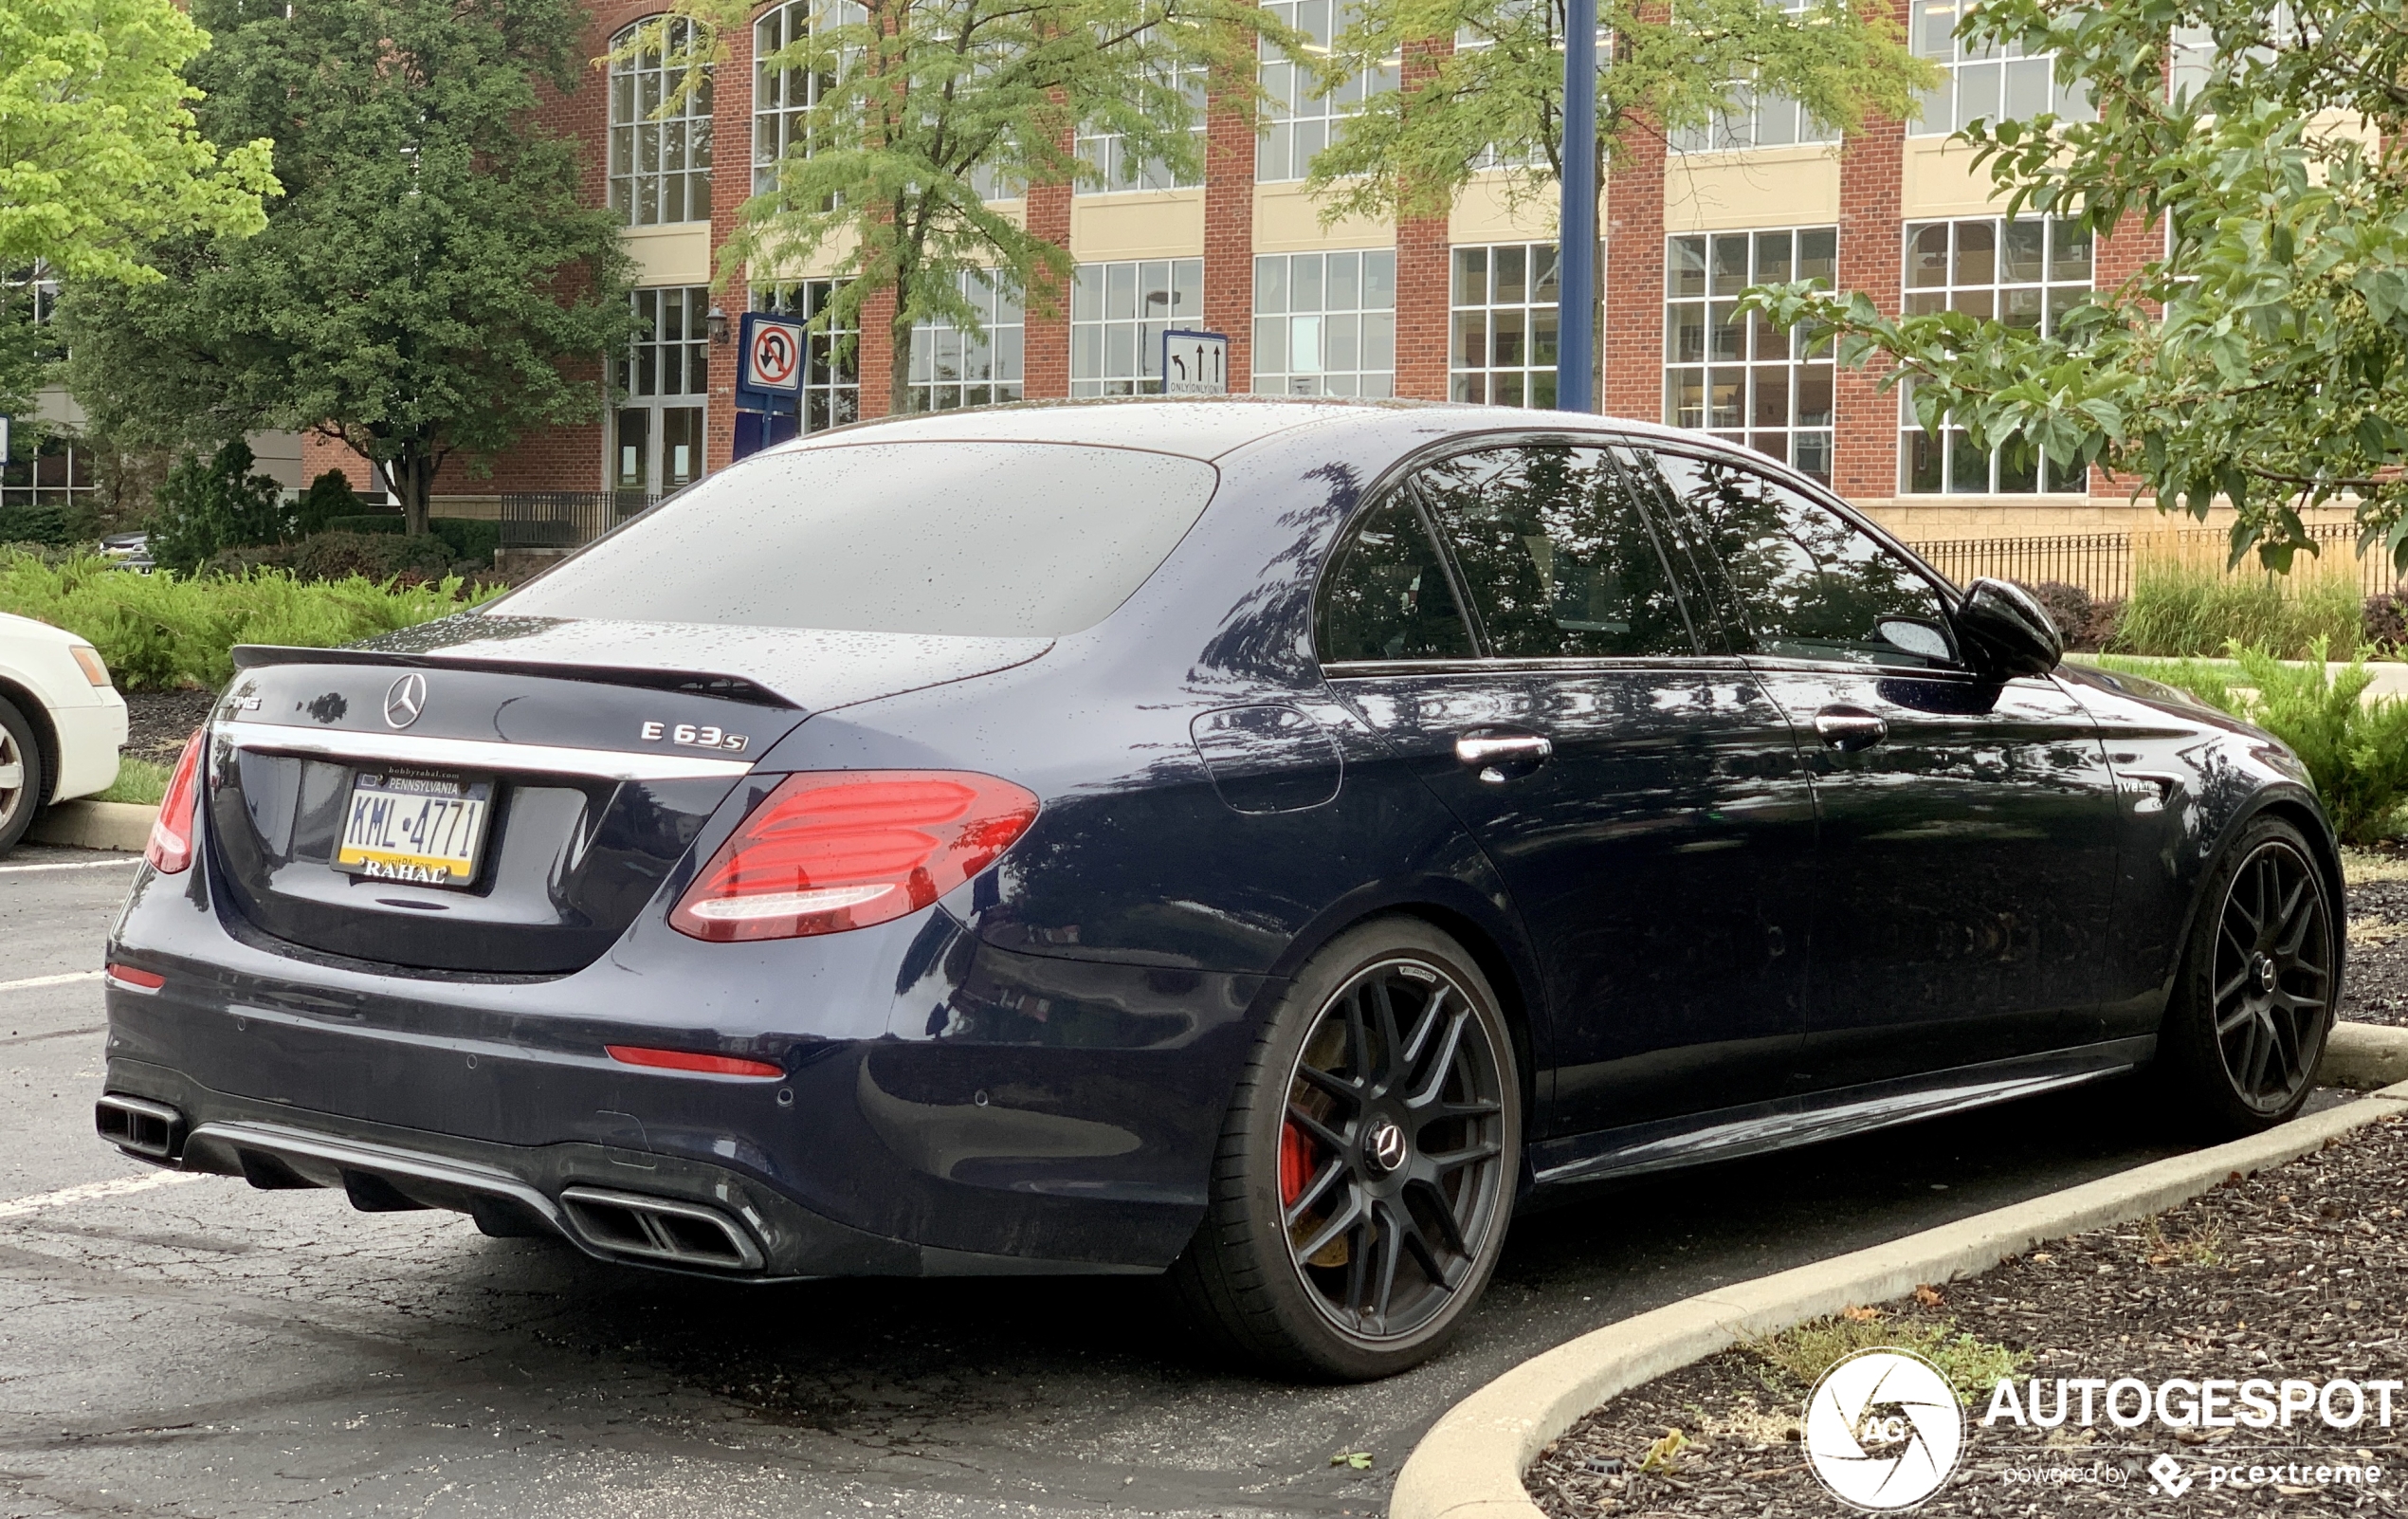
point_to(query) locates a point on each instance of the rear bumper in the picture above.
(947, 1106)
(583, 1193)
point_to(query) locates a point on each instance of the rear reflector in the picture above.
(170, 847)
(709, 1065)
(830, 850)
(133, 979)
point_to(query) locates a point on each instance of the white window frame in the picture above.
(1476, 317)
(1953, 283)
(1109, 151)
(1119, 311)
(951, 367)
(1999, 83)
(1298, 122)
(1765, 119)
(1769, 374)
(654, 159)
(666, 368)
(1313, 336)
(784, 100)
(832, 366)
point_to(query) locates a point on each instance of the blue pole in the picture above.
(1576, 321)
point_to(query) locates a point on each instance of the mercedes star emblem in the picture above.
(1387, 1146)
(406, 700)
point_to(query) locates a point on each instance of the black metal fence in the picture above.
(2101, 563)
(565, 519)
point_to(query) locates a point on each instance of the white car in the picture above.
(61, 721)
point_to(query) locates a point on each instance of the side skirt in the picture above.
(1729, 1133)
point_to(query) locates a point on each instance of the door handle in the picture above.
(1849, 728)
(1489, 753)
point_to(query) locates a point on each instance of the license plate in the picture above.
(415, 826)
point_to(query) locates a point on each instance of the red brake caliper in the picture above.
(1295, 1162)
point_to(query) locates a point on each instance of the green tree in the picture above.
(429, 285)
(100, 155)
(929, 108)
(1496, 100)
(207, 505)
(2264, 358)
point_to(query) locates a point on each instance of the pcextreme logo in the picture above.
(1883, 1430)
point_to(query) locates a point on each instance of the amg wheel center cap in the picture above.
(2263, 967)
(1384, 1146)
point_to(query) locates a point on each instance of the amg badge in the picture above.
(694, 737)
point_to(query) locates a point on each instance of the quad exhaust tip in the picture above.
(140, 1126)
(681, 1234)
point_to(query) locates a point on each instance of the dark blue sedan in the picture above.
(1266, 842)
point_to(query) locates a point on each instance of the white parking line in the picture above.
(68, 979)
(115, 1188)
(71, 865)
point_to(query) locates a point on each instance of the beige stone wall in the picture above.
(1921, 519)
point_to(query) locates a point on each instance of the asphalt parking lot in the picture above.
(177, 1346)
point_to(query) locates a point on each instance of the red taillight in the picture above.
(710, 1064)
(134, 980)
(830, 850)
(170, 847)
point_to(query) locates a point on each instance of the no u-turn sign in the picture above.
(773, 354)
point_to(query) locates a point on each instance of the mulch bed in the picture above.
(2301, 1272)
(2376, 988)
(158, 722)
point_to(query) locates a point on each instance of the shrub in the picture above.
(215, 504)
(2071, 608)
(328, 497)
(471, 538)
(2385, 624)
(2356, 751)
(162, 630)
(52, 526)
(341, 556)
(366, 522)
(2185, 603)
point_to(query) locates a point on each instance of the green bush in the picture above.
(341, 556)
(471, 538)
(328, 500)
(2188, 605)
(52, 526)
(214, 504)
(161, 631)
(366, 522)
(2356, 751)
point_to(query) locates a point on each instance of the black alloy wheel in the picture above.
(2273, 977)
(1391, 1155)
(1367, 1169)
(2254, 999)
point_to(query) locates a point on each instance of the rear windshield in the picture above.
(989, 539)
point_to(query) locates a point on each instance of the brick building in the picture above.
(1461, 306)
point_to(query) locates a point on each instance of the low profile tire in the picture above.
(21, 763)
(2254, 998)
(1367, 1167)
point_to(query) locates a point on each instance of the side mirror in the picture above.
(2006, 631)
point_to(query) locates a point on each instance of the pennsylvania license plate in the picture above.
(415, 826)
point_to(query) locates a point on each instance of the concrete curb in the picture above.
(91, 825)
(2365, 1056)
(1469, 1465)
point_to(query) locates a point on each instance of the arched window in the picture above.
(660, 162)
(785, 99)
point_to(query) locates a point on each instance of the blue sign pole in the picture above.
(1576, 321)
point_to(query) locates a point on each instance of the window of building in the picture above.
(1301, 122)
(1326, 324)
(1119, 169)
(1500, 347)
(656, 444)
(1764, 119)
(660, 164)
(831, 368)
(785, 99)
(952, 368)
(2022, 273)
(1118, 315)
(1746, 380)
(60, 473)
(1997, 84)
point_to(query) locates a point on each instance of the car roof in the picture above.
(1200, 427)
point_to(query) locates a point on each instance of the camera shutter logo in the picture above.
(1883, 1430)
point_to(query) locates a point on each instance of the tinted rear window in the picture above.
(989, 539)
